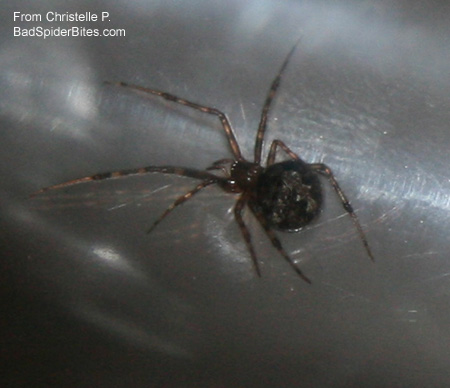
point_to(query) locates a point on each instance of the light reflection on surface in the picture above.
(129, 331)
(113, 259)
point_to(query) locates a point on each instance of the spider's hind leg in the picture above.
(277, 244)
(326, 171)
(240, 204)
(273, 151)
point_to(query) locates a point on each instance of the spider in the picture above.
(284, 196)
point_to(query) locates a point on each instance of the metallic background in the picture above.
(89, 299)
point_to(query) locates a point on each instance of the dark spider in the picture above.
(284, 196)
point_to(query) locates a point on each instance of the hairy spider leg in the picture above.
(181, 171)
(221, 165)
(240, 204)
(273, 151)
(181, 200)
(326, 171)
(267, 104)
(212, 111)
(276, 243)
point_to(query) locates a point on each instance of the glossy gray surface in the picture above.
(91, 300)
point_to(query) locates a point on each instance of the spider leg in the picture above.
(181, 200)
(221, 165)
(241, 202)
(273, 151)
(181, 171)
(277, 244)
(326, 171)
(266, 108)
(212, 111)
(221, 168)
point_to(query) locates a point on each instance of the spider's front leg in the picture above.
(226, 125)
(174, 170)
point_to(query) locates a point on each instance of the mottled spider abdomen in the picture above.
(289, 195)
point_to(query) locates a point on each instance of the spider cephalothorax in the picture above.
(284, 196)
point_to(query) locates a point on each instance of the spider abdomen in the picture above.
(289, 195)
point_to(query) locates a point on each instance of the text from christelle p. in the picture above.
(23, 29)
